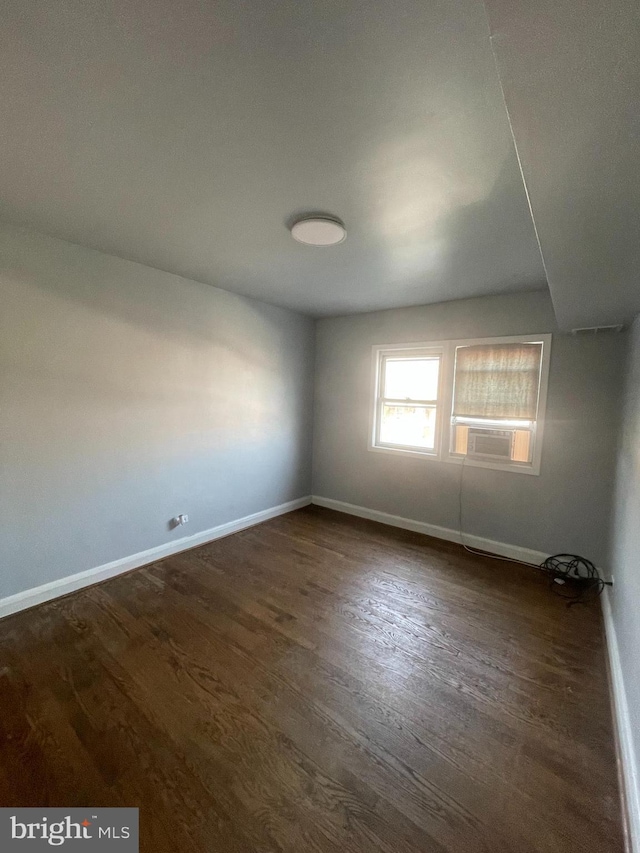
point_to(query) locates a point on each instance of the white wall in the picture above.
(128, 395)
(566, 508)
(624, 597)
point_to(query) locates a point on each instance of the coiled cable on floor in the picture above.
(573, 577)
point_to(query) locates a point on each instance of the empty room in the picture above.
(320, 426)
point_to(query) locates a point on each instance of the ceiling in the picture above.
(187, 135)
(571, 76)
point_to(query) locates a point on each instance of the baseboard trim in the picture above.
(629, 772)
(512, 552)
(72, 583)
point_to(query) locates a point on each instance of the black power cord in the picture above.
(574, 578)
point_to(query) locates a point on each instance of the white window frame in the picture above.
(428, 351)
(442, 450)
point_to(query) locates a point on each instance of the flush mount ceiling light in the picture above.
(319, 231)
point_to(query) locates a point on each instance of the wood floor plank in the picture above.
(318, 683)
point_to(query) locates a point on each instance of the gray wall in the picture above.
(128, 395)
(566, 508)
(625, 594)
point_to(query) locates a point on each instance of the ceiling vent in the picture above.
(597, 330)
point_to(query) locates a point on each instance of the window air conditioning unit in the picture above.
(496, 444)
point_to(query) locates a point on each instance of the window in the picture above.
(480, 401)
(407, 400)
(495, 400)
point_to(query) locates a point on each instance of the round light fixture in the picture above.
(319, 231)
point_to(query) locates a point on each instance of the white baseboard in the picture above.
(513, 552)
(71, 583)
(629, 771)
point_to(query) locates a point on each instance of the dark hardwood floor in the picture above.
(318, 683)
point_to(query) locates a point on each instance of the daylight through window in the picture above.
(408, 401)
(481, 401)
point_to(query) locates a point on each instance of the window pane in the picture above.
(411, 378)
(461, 439)
(521, 446)
(413, 426)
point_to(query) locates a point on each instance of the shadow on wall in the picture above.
(149, 336)
(168, 304)
(136, 344)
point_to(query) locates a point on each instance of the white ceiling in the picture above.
(185, 135)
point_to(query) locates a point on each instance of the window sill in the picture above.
(401, 451)
(457, 460)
